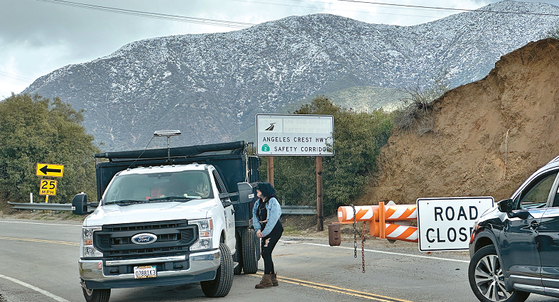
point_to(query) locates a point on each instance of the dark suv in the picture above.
(514, 247)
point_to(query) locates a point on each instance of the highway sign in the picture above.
(445, 224)
(50, 170)
(47, 187)
(294, 135)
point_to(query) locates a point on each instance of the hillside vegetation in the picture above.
(486, 136)
(37, 130)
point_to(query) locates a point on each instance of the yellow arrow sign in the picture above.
(50, 170)
(47, 187)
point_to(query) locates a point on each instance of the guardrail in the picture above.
(298, 210)
(42, 206)
(285, 209)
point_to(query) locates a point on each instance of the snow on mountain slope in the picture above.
(210, 86)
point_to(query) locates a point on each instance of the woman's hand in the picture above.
(259, 234)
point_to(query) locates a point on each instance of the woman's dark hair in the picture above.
(267, 190)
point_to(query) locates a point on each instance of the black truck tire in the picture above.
(221, 285)
(251, 251)
(96, 295)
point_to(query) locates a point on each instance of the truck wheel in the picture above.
(487, 278)
(96, 295)
(238, 256)
(220, 286)
(251, 251)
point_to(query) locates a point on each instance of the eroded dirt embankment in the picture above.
(487, 137)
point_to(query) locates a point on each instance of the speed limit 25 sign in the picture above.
(47, 187)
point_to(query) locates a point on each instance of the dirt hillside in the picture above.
(487, 137)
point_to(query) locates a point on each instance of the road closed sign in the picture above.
(445, 224)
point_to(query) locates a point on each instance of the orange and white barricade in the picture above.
(385, 221)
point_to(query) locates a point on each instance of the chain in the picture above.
(355, 232)
(363, 247)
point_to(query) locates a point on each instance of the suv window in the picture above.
(535, 195)
(556, 199)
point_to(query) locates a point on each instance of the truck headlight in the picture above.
(88, 250)
(205, 234)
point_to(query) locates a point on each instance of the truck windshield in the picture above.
(175, 186)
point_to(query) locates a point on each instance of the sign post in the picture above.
(296, 135)
(319, 192)
(445, 224)
(270, 169)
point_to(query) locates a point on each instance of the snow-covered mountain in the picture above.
(211, 86)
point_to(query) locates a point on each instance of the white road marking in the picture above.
(42, 291)
(380, 252)
(39, 223)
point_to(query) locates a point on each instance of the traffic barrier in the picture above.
(385, 221)
(394, 232)
(366, 213)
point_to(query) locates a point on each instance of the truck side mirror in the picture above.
(79, 204)
(246, 192)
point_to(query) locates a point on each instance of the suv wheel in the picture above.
(487, 279)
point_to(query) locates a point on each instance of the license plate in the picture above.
(143, 272)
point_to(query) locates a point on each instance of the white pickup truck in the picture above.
(169, 216)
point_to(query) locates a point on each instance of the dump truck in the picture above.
(169, 216)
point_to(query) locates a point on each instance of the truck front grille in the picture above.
(174, 237)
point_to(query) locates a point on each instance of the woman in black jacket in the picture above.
(266, 215)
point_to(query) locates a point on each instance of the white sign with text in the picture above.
(294, 135)
(445, 224)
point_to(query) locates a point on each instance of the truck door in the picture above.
(230, 239)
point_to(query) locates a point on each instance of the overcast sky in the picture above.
(40, 36)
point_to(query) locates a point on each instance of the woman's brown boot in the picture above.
(274, 279)
(265, 282)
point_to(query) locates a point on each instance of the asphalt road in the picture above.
(38, 262)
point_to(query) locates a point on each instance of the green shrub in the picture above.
(418, 112)
(37, 130)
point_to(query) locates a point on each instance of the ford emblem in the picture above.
(144, 238)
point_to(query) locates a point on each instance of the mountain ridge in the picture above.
(211, 86)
